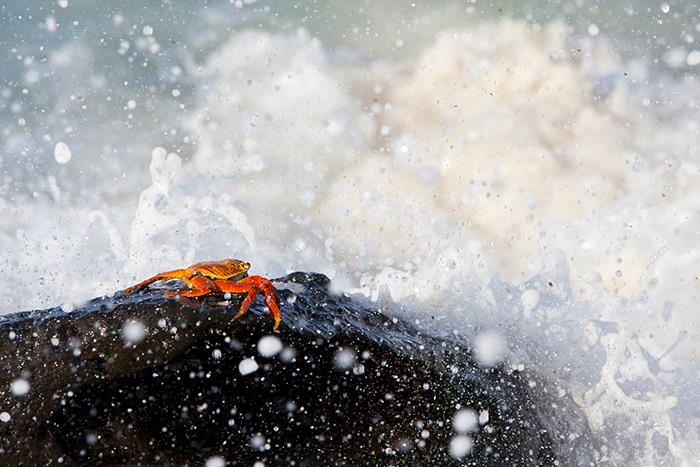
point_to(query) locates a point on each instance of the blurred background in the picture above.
(524, 169)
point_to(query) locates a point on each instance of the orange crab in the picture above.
(228, 275)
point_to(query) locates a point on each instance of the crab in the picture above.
(225, 276)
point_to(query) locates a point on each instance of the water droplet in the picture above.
(216, 461)
(460, 446)
(269, 346)
(133, 331)
(19, 387)
(344, 359)
(62, 153)
(247, 366)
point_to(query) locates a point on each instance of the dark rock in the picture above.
(351, 386)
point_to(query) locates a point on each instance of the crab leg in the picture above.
(251, 286)
(199, 285)
(176, 274)
(271, 299)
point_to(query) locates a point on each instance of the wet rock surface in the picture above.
(152, 380)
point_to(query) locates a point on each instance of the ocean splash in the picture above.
(509, 179)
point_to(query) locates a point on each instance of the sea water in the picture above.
(524, 175)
